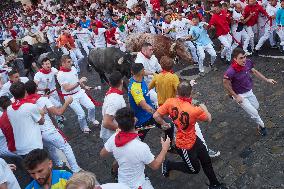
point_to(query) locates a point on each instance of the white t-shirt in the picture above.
(112, 103)
(114, 186)
(181, 27)
(5, 90)
(44, 103)
(100, 39)
(151, 65)
(68, 78)
(46, 80)
(26, 129)
(131, 158)
(7, 176)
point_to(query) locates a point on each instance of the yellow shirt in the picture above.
(166, 86)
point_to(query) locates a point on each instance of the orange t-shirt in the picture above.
(64, 40)
(184, 115)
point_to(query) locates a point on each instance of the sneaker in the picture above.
(274, 47)
(248, 53)
(219, 186)
(96, 122)
(262, 131)
(213, 154)
(165, 169)
(213, 67)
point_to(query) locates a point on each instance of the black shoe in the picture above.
(228, 62)
(274, 47)
(262, 131)
(219, 186)
(165, 169)
(256, 52)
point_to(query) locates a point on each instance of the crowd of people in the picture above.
(33, 107)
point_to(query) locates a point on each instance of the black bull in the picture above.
(107, 60)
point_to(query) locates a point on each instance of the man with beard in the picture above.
(39, 166)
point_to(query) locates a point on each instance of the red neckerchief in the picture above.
(145, 55)
(237, 67)
(45, 71)
(18, 103)
(32, 98)
(64, 69)
(123, 138)
(164, 71)
(7, 130)
(114, 90)
(96, 31)
(185, 99)
(26, 50)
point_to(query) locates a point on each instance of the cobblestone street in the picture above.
(247, 160)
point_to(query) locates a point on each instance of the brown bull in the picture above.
(163, 46)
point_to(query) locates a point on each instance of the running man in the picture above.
(238, 82)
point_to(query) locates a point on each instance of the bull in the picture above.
(107, 60)
(162, 45)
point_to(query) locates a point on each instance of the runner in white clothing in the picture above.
(84, 37)
(71, 86)
(25, 119)
(131, 154)
(14, 76)
(151, 66)
(51, 136)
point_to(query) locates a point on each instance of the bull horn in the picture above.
(53, 59)
(120, 61)
(134, 53)
(173, 46)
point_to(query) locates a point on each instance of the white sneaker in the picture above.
(96, 122)
(212, 153)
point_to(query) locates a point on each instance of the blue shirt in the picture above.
(201, 34)
(58, 180)
(85, 24)
(138, 91)
(280, 17)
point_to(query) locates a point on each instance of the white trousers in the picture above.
(226, 41)
(55, 99)
(261, 25)
(251, 30)
(243, 38)
(53, 140)
(280, 33)
(192, 48)
(153, 97)
(251, 105)
(81, 99)
(87, 46)
(268, 34)
(201, 55)
(75, 55)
